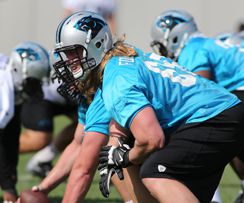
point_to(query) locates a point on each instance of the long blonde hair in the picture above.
(94, 80)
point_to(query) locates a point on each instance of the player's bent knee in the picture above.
(33, 141)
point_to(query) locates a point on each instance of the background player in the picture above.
(175, 35)
(20, 78)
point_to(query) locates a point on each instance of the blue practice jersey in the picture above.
(94, 117)
(176, 95)
(242, 44)
(224, 61)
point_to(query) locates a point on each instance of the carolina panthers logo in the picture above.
(28, 53)
(90, 23)
(169, 22)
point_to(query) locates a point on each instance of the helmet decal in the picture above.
(90, 23)
(28, 53)
(169, 22)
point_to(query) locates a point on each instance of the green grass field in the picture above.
(230, 184)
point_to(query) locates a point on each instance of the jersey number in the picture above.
(187, 79)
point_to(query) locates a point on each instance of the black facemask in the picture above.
(159, 48)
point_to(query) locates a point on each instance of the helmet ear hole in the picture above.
(98, 44)
(175, 40)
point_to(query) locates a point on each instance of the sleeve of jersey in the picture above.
(97, 117)
(82, 114)
(196, 60)
(125, 97)
(126, 108)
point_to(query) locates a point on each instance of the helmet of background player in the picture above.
(230, 38)
(82, 40)
(29, 65)
(170, 31)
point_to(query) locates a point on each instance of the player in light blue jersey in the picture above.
(176, 117)
(220, 59)
(211, 58)
(91, 134)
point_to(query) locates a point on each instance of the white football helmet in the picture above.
(87, 37)
(230, 38)
(28, 60)
(170, 31)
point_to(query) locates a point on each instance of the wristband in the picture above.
(126, 161)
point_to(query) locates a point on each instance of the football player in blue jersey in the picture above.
(176, 32)
(218, 59)
(182, 123)
(90, 135)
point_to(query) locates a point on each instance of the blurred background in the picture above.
(37, 19)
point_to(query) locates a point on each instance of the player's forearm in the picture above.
(141, 151)
(84, 167)
(78, 184)
(61, 169)
(148, 135)
(205, 74)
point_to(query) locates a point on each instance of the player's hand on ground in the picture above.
(36, 188)
(39, 188)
